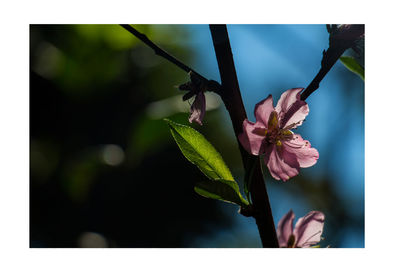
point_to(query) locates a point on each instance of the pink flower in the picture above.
(284, 152)
(196, 87)
(307, 231)
(198, 109)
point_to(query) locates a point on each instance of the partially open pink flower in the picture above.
(306, 233)
(196, 87)
(284, 152)
(198, 109)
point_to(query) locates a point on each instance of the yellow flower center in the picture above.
(274, 134)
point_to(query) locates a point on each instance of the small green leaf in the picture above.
(221, 189)
(352, 64)
(200, 152)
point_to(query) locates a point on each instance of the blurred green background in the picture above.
(105, 171)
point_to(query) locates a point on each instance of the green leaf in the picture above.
(200, 152)
(221, 189)
(352, 64)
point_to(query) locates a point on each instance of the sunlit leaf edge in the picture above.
(352, 65)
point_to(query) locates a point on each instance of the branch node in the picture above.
(247, 211)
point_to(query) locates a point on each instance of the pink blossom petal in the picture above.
(279, 169)
(286, 100)
(289, 158)
(306, 156)
(252, 137)
(285, 229)
(198, 109)
(296, 115)
(291, 110)
(263, 109)
(309, 228)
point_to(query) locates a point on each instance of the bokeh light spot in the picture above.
(92, 240)
(113, 155)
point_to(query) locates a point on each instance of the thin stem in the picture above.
(232, 99)
(340, 39)
(329, 59)
(157, 50)
(212, 85)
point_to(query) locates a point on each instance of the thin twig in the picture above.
(330, 57)
(159, 51)
(232, 99)
(340, 39)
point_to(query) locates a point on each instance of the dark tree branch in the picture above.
(329, 59)
(232, 99)
(211, 84)
(340, 39)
